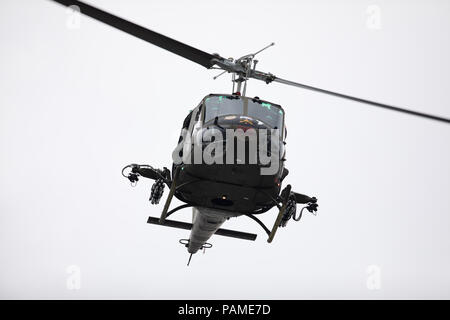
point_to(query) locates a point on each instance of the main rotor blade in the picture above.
(174, 46)
(373, 103)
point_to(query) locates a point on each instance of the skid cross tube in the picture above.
(259, 222)
(178, 208)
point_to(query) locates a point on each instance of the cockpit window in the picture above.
(217, 106)
(266, 112)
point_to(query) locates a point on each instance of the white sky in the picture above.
(76, 105)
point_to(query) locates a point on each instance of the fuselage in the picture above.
(206, 222)
(244, 140)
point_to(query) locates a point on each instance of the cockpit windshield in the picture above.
(268, 113)
(217, 106)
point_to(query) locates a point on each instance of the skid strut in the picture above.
(280, 214)
(169, 197)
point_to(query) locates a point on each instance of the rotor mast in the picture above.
(241, 69)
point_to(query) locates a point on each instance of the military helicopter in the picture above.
(243, 185)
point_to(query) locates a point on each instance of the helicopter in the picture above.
(229, 160)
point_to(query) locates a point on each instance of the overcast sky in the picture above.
(79, 102)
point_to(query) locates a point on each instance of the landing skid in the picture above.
(164, 175)
(188, 226)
